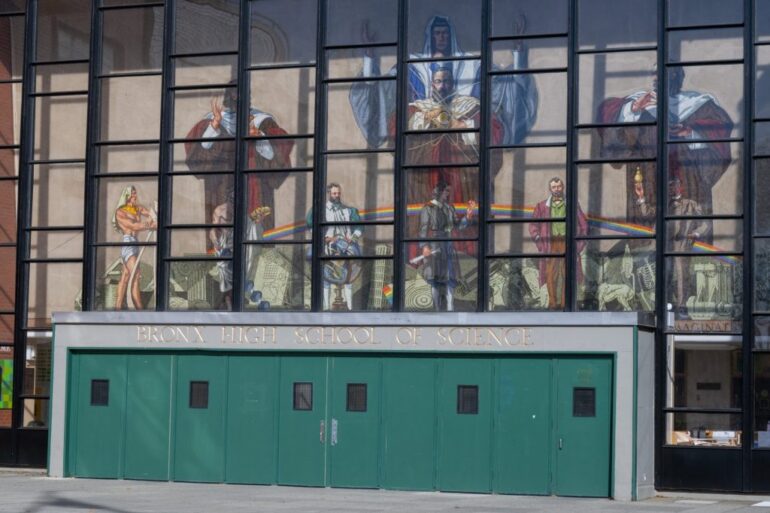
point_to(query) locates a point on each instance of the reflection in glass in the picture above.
(277, 277)
(357, 122)
(57, 195)
(283, 31)
(441, 276)
(762, 20)
(194, 197)
(367, 181)
(507, 238)
(44, 244)
(619, 276)
(9, 162)
(703, 429)
(8, 198)
(127, 209)
(120, 119)
(542, 17)
(206, 26)
(521, 117)
(63, 29)
(617, 143)
(456, 190)
(132, 40)
(7, 325)
(762, 276)
(191, 71)
(443, 28)
(60, 127)
(616, 23)
(347, 63)
(277, 205)
(705, 45)
(515, 284)
(361, 21)
(195, 111)
(762, 399)
(705, 292)
(289, 94)
(6, 385)
(194, 285)
(762, 138)
(37, 375)
(128, 158)
(540, 53)
(7, 278)
(704, 235)
(35, 413)
(51, 78)
(686, 13)
(53, 287)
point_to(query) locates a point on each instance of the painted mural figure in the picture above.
(550, 238)
(692, 116)
(682, 234)
(129, 219)
(342, 240)
(221, 238)
(439, 263)
(514, 97)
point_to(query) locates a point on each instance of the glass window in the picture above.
(583, 402)
(7, 278)
(366, 182)
(687, 13)
(364, 115)
(619, 142)
(55, 244)
(6, 385)
(289, 97)
(467, 399)
(515, 284)
(441, 276)
(283, 31)
(57, 195)
(762, 138)
(120, 119)
(12, 6)
(613, 24)
(705, 372)
(762, 20)
(128, 209)
(361, 21)
(206, 114)
(705, 45)
(206, 26)
(128, 158)
(199, 394)
(704, 235)
(762, 278)
(9, 190)
(63, 29)
(456, 189)
(529, 17)
(100, 392)
(35, 413)
(378, 61)
(50, 78)
(125, 277)
(60, 127)
(443, 28)
(523, 54)
(132, 40)
(356, 397)
(195, 197)
(303, 396)
(278, 206)
(761, 388)
(206, 70)
(200, 284)
(278, 277)
(520, 112)
(703, 429)
(53, 287)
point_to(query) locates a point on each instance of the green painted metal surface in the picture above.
(464, 440)
(583, 453)
(251, 417)
(354, 436)
(97, 447)
(408, 423)
(304, 434)
(148, 404)
(523, 426)
(199, 433)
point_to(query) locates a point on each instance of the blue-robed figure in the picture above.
(514, 97)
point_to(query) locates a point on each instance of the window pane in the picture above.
(206, 26)
(199, 285)
(7, 278)
(303, 396)
(132, 39)
(358, 240)
(455, 189)
(705, 292)
(686, 13)
(762, 276)
(705, 45)
(37, 368)
(51, 78)
(518, 238)
(762, 138)
(761, 399)
(614, 24)
(705, 102)
(762, 20)
(201, 242)
(583, 402)
(199, 394)
(523, 179)
(615, 143)
(9, 162)
(282, 153)
(467, 399)
(57, 195)
(515, 284)
(60, 127)
(356, 397)
(283, 31)
(35, 413)
(703, 429)
(705, 374)
(13, 6)
(762, 196)
(277, 276)
(120, 284)
(349, 63)
(194, 114)
(346, 20)
(527, 17)
(278, 205)
(704, 235)
(762, 330)
(10, 96)
(120, 119)
(288, 95)
(619, 199)
(9, 191)
(6, 385)
(359, 284)
(100, 392)
(521, 54)
(127, 209)
(609, 83)
(619, 275)
(63, 29)
(441, 276)
(7, 326)
(53, 288)
(443, 95)
(194, 197)
(362, 115)
(520, 114)
(55, 244)
(366, 182)
(218, 69)
(443, 28)
(128, 158)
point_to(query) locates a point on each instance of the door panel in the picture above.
(523, 429)
(583, 426)
(354, 436)
(409, 423)
(251, 434)
(199, 447)
(148, 401)
(464, 443)
(303, 432)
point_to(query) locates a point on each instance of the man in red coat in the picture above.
(550, 238)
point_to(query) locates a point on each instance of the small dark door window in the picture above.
(584, 402)
(100, 392)
(303, 396)
(356, 397)
(468, 399)
(199, 394)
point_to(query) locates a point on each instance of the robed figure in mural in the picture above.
(692, 116)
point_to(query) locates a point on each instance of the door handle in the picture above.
(322, 432)
(561, 443)
(334, 432)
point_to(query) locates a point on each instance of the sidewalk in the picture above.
(32, 492)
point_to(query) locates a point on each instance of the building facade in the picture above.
(396, 162)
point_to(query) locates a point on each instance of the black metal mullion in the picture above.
(524, 37)
(630, 49)
(91, 184)
(319, 146)
(484, 175)
(570, 282)
(399, 158)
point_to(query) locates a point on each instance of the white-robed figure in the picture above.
(514, 97)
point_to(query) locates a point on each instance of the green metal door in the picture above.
(251, 431)
(409, 423)
(148, 403)
(523, 429)
(199, 430)
(583, 426)
(96, 420)
(465, 425)
(354, 423)
(303, 432)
